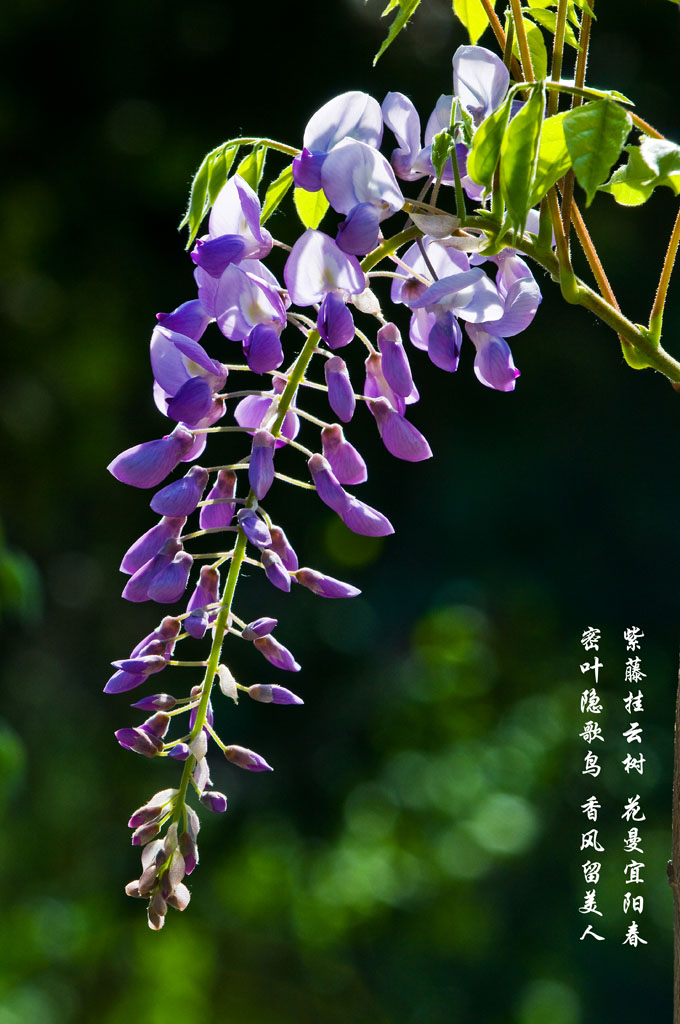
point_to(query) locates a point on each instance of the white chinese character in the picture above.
(632, 764)
(590, 904)
(591, 638)
(591, 765)
(633, 869)
(634, 673)
(632, 811)
(632, 636)
(591, 871)
(590, 839)
(633, 735)
(633, 702)
(595, 667)
(631, 843)
(590, 702)
(636, 902)
(591, 807)
(591, 731)
(632, 937)
(589, 931)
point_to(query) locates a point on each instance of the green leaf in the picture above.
(553, 158)
(311, 206)
(407, 8)
(548, 19)
(519, 152)
(595, 134)
(276, 191)
(631, 185)
(486, 146)
(208, 180)
(251, 167)
(473, 16)
(537, 50)
(663, 157)
(442, 145)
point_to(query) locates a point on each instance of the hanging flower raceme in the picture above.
(212, 520)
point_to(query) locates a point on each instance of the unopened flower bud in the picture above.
(273, 694)
(214, 801)
(247, 759)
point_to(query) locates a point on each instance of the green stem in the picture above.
(579, 82)
(656, 316)
(522, 41)
(558, 54)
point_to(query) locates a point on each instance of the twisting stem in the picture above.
(566, 275)
(593, 259)
(656, 316)
(579, 81)
(523, 42)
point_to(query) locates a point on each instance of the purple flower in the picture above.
(281, 545)
(275, 570)
(395, 365)
(150, 543)
(354, 173)
(147, 464)
(255, 529)
(398, 435)
(187, 379)
(166, 632)
(317, 266)
(259, 627)
(163, 578)
(335, 322)
(189, 319)
(140, 741)
(276, 654)
(324, 586)
(247, 759)
(480, 80)
(494, 366)
(361, 518)
(241, 299)
(205, 595)
(181, 497)
(376, 385)
(273, 695)
(263, 349)
(409, 160)
(256, 411)
(327, 486)
(220, 514)
(340, 392)
(345, 461)
(261, 465)
(156, 702)
(234, 229)
(353, 115)
(214, 801)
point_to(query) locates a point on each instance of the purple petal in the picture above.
(190, 319)
(236, 211)
(325, 586)
(353, 115)
(334, 322)
(214, 801)
(255, 529)
(494, 365)
(181, 497)
(263, 349)
(275, 571)
(281, 545)
(139, 741)
(219, 515)
(359, 231)
(361, 518)
(470, 295)
(137, 587)
(395, 364)
(276, 654)
(247, 759)
(480, 80)
(444, 341)
(307, 170)
(402, 118)
(150, 543)
(327, 486)
(259, 627)
(121, 682)
(169, 584)
(205, 593)
(192, 402)
(273, 695)
(355, 173)
(316, 265)
(215, 254)
(340, 392)
(156, 702)
(399, 436)
(345, 461)
(261, 464)
(147, 464)
(165, 633)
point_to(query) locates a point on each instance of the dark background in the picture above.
(415, 856)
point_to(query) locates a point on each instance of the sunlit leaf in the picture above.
(548, 19)
(251, 167)
(519, 151)
(311, 206)
(537, 50)
(208, 180)
(631, 185)
(473, 16)
(553, 157)
(407, 8)
(664, 158)
(595, 134)
(442, 145)
(486, 146)
(276, 191)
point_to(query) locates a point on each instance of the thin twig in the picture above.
(579, 80)
(656, 316)
(522, 41)
(557, 57)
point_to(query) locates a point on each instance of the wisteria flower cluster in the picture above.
(456, 273)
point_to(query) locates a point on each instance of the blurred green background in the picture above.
(415, 856)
